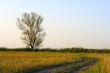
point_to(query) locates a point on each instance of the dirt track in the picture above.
(75, 67)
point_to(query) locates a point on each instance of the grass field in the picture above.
(27, 62)
(103, 66)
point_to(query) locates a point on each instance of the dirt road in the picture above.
(75, 67)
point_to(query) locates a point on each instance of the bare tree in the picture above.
(30, 24)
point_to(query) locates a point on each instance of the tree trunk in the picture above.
(32, 47)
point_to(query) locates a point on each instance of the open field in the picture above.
(27, 62)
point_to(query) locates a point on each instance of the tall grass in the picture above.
(16, 61)
(103, 66)
(27, 62)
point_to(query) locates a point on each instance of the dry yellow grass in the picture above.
(103, 66)
(21, 62)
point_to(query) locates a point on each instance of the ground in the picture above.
(34, 62)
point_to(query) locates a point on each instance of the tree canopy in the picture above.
(30, 24)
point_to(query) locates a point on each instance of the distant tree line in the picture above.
(65, 50)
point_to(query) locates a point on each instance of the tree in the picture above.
(30, 24)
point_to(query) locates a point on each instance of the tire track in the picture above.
(75, 67)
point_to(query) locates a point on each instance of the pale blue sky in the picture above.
(68, 23)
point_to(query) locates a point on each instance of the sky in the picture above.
(68, 23)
